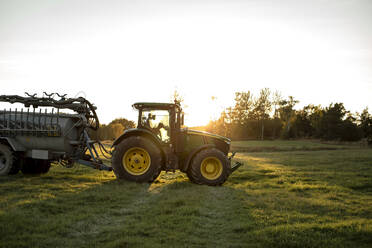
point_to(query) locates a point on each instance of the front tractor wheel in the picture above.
(137, 159)
(210, 167)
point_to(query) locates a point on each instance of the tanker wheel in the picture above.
(34, 166)
(7, 165)
(16, 166)
(210, 167)
(137, 159)
(43, 166)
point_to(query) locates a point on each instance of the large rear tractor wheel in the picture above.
(7, 165)
(34, 166)
(210, 167)
(137, 159)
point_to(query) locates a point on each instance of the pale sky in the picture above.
(119, 52)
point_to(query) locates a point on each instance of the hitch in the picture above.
(94, 165)
(236, 165)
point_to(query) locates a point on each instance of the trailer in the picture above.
(32, 138)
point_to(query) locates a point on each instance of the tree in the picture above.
(332, 120)
(302, 123)
(233, 120)
(127, 124)
(243, 106)
(263, 108)
(307, 120)
(287, 115)
(276, 99)
(349, 129)
(228, 115)
(365, 124)
(250, 118)
(114, 129)
(315, 114)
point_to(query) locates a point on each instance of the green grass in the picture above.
(278, 199)
(285, 145)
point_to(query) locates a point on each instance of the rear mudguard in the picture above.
(139, 132)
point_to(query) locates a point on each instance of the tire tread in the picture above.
(129, 142)
(195, 175)
(12, 166)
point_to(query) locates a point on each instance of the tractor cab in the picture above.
(164, 120)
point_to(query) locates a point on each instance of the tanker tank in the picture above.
(32, 138)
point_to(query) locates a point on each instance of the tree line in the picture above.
(112, 130)
(271, 116)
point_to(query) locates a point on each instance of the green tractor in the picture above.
(160, 143)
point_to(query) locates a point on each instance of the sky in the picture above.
(116, 53)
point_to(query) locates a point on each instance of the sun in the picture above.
(200, 113)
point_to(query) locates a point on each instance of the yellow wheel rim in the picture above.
(136, 161)
(211, 168)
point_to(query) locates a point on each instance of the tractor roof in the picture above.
(154, 105)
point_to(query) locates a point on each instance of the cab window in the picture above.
(157, 121)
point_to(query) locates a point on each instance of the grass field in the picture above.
(295, 198)
(293, 145)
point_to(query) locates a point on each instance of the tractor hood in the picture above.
(211, 135)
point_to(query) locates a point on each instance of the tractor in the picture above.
(160, 142)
